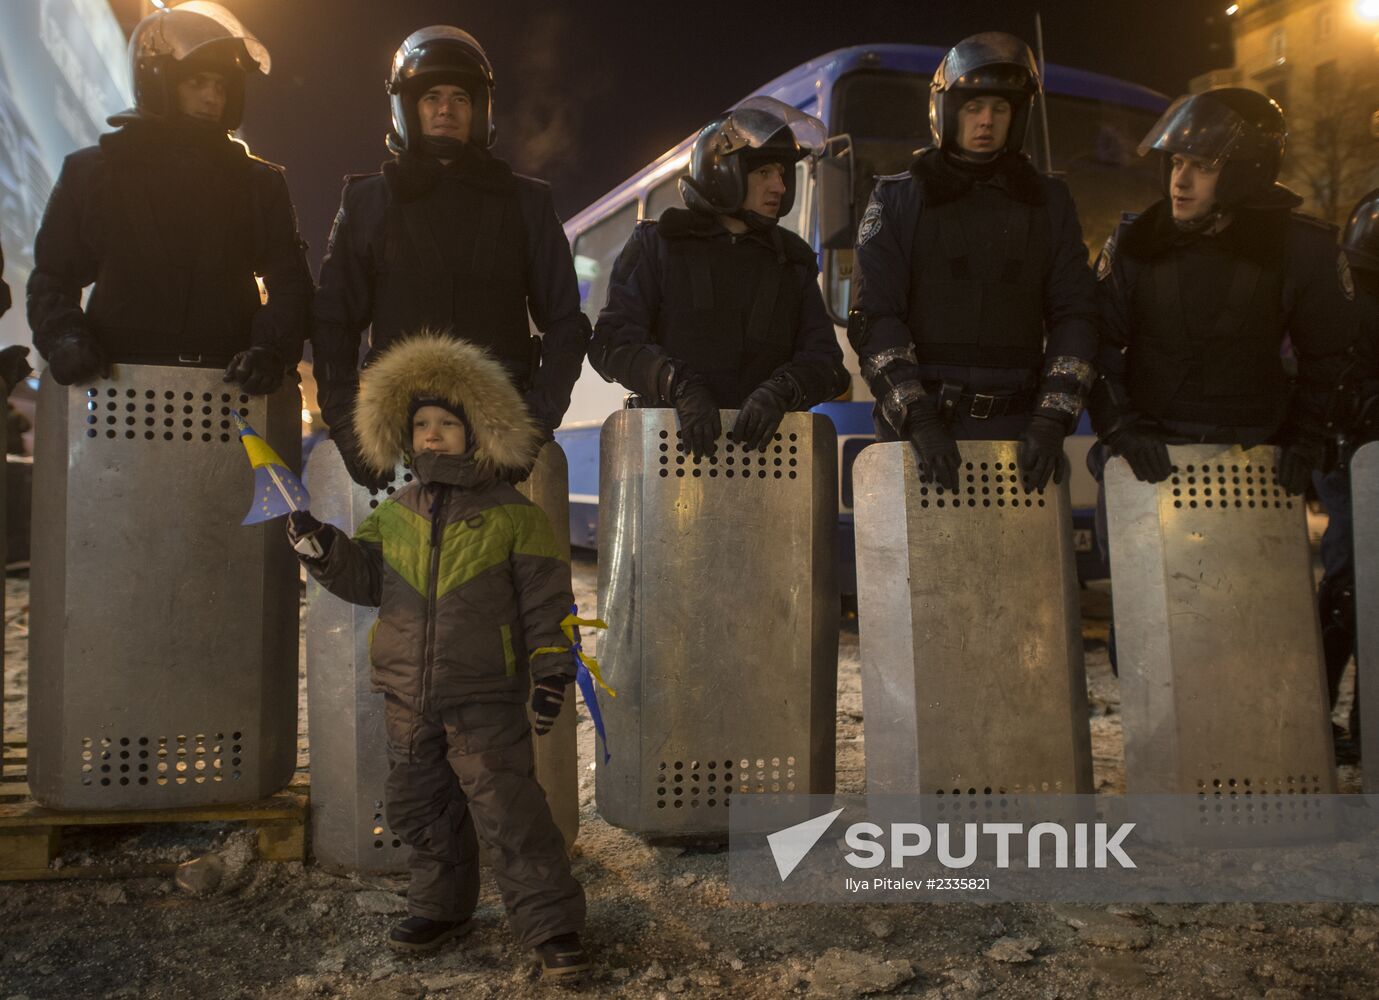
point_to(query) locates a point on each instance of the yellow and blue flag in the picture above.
(277, 490)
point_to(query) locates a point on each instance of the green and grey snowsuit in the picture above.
(470, 589)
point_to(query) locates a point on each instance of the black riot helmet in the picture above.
(994, 63)
(1241, 131)
(428, 57)
(760, 130)
(192, 37)
(1361, 237)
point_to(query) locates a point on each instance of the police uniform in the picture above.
(737, 309)
(979, 279)
(466, 247)
(171, 221)
(446, 237)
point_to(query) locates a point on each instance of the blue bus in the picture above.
(874, 101)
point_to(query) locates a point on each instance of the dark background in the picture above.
(588, 92)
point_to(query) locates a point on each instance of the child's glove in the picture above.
(547, 696)
(307, 535)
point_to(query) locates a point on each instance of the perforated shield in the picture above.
(163, 646)
(972, 672)
(718, 580)
(1364, 493)
(349, 747)
(1223, 688)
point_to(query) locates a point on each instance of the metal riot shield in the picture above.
(349, 747)
(1223, 688)
(1364, 498)
(971, 644)
(163, 643)
(718, 580)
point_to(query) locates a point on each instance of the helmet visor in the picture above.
(185, 30)
(987, 58)
(1198, 127)
(758, 120)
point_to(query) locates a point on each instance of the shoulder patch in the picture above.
(1106, 258)
(871, 222)
(1346, 278)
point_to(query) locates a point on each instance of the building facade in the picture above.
(1320, 60)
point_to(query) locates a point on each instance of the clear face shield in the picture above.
(753, 123)
(1199, 128)
(195, 28)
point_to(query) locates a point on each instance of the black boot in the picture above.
(562, 957)
(418, 934)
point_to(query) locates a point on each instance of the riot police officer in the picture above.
(172, 219)
(1198, 292)
(975, 309)
(716, 305)
(446, 237)
(1357, 417)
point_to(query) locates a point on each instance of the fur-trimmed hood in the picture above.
(466, 376)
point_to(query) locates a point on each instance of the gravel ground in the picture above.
(661, 923)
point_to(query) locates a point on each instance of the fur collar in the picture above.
(1258, 233)
(683, 223)
(943, 179)
(466, 376)
(141, 140)
(410, 175)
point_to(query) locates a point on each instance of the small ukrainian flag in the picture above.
(277, 490)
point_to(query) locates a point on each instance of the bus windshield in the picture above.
(887, 116)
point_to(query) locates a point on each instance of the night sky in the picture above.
(588, 92)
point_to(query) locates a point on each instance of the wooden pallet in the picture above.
(30, 835)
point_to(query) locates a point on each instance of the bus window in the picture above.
(1093, 151)
(595, 251)
(664, 195)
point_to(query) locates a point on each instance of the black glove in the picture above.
(1296, 462)
(700, 425)
(761, 414)
(935, 447)
(307, 535)
(1146, 453)
(14, 366)
(547, 697)
(1041, 452)
(360, 471)
(258, 370)
(76, 358)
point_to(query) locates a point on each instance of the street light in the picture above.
(1232, 10)
(1367, 10)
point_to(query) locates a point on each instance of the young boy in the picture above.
(471, 592)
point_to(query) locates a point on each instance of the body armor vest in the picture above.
(977, 281)
(177, 262)
(455, 260)
(1208, 351)
(730, 310)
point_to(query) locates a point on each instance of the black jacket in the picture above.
(171, 222)
(886, 278)
(685, 289)
(417, 216)
(1196, 327)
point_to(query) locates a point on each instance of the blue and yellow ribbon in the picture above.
(587, 673)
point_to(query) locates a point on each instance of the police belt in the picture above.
(954, 400)
(175, 360)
